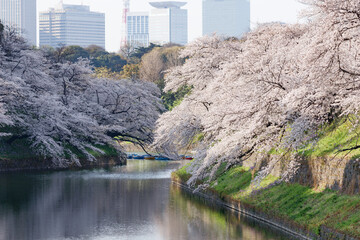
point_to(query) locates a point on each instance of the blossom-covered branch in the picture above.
(62, 110)
(273, 87)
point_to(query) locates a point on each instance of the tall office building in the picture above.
(226, 17)
(72, 25)
(20, 14)
(126, 10)
(168, 23)
(138, 29)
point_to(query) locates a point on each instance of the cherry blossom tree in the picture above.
(271, 89)
(62, 110)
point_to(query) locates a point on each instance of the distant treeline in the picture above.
(146, 63)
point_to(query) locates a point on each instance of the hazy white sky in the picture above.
(261, 11)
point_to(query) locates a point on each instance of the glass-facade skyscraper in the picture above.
(168, 23)
(20, 14)
(72, 25)
(226, 17)
(138, 29)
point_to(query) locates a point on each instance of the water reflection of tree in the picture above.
(146, 165)
(15, 191)
(2, 227)
(189, 218)
(73, 206)
(90, 204)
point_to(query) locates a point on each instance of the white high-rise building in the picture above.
(168, 23)
(20, 14)
(138, 29)
(226, 17)
(72, 25)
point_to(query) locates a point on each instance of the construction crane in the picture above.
(126, 9)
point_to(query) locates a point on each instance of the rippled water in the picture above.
(136, 201)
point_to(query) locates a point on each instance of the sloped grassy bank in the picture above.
(322, 201)
(18, 156)
(292, 207)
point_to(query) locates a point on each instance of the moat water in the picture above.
(132, 202)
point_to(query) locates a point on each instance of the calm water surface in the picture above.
(136, 201)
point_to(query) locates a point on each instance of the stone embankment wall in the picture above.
(327, 234)
(341, 174)
(338, 174)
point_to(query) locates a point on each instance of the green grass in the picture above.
(291, 202)
(332, 141)
(295, 203)
(174, 99)
(231, 182)
(221, 169)
(308, 208)
(198, 138)
(108, 150)
(181, 174)
(333, 138)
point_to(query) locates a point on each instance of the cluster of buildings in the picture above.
(20, 14)
(167, 22)
(71, 25)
